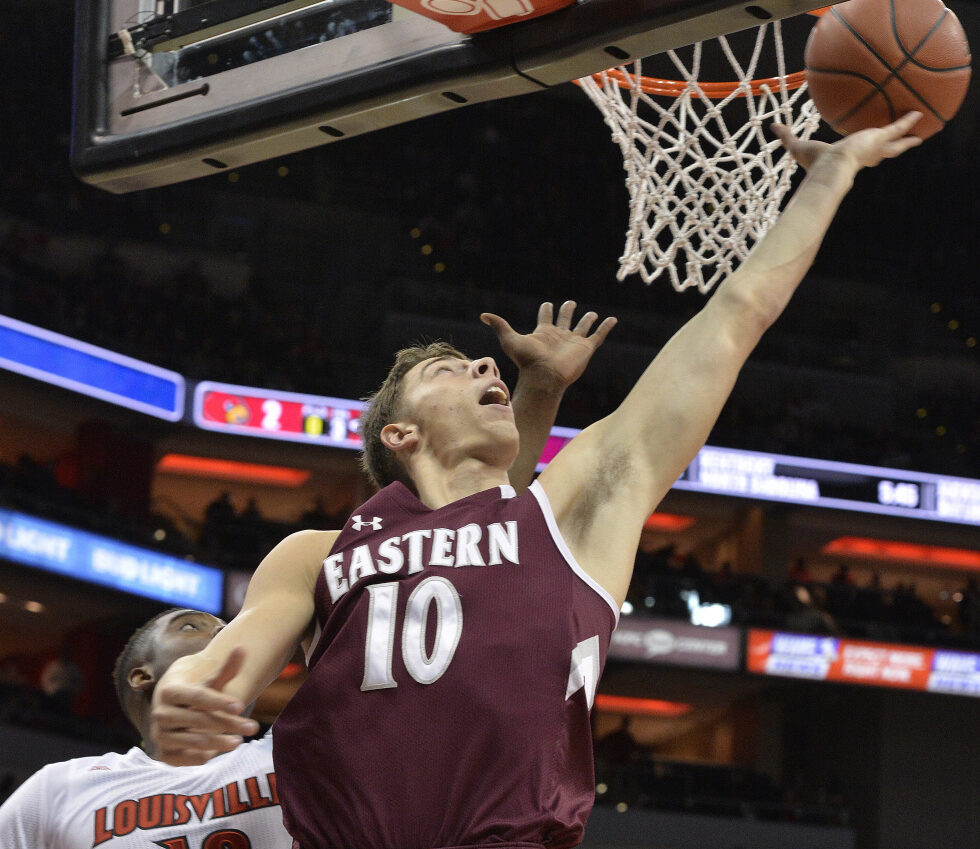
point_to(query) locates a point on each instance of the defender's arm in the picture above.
(198, 701)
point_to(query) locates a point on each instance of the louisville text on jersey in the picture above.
(168, 809)
(470, 545)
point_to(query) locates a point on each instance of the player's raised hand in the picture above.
(864, 149)
(554, 348)
(192, 722)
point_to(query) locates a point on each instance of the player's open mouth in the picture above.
(495, 395)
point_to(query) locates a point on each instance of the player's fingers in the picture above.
(899, 128)
(546, 313)
(897, 148)
(184, 740)
(195, 697)
(585, 323)
(782, 132)
(499, 325)
(602, 331)
(178, 719)
(229, 669)
(565, 315)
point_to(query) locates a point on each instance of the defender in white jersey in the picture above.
(133, 800)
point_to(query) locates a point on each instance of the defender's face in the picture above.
(461, 404)
(181, 633)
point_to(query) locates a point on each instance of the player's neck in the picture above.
(146, 742)
(438, 486)
(147, 746)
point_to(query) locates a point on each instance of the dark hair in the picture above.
(380, 463)
(133, 654)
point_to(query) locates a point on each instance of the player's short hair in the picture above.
(134, 653)
(379, 462)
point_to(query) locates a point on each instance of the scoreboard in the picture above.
(270, 413)
(826, 483)
(314, 419)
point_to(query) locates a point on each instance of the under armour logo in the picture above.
(357, 523)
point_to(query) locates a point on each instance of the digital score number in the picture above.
(898, 494)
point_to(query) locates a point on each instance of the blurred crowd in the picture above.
(258, 336)
(665, 582)
(630, 775)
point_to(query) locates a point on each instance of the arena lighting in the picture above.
(880, 549)
(641, 707)
(233, 470)
(668, 522)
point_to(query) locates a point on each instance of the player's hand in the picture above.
(863, 149)
(191, 723)
(554, 350)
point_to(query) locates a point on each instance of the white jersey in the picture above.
(129, 801)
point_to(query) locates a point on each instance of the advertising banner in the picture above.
(109, 563)
(821, 658)
(676, 643)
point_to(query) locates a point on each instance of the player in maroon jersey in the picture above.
(456, 630)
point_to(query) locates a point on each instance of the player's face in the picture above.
(461, 404)
(181, 633)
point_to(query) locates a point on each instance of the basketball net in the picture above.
(702, 190)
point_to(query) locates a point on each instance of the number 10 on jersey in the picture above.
(425, 667)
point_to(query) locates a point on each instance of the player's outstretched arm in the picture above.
(550, 358)
(198, 702)
(606, 482)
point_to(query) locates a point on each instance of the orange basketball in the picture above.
(869, 62)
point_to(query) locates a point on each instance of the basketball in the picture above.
(868, 62)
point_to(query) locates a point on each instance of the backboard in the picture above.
(171, 90)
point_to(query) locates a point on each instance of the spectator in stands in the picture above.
(806, 615)
(968, 608)
(614, 754)
(799, 573)
(251, 511)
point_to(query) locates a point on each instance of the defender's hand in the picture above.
(554, 349)
(191, 723)
(864, 149)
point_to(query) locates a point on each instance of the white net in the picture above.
(703, 187)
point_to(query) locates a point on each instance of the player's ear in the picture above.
(398, 437)
(141, 678)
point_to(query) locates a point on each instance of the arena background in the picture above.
(305, 273)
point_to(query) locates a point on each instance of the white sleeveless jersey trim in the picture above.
(317, 631)
(507, 491)
(549, 517)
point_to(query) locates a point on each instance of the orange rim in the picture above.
(711, 90)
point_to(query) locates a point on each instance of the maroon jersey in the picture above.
(455, 663)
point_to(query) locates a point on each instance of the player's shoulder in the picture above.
(308, 546)
(63, 774)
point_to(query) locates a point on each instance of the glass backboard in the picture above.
(171, 90)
